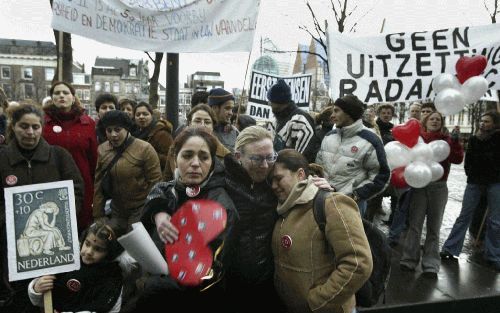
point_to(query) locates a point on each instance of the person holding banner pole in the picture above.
(29, 159)
(293, 127)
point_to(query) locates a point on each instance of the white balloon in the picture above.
(418, 174)
(440, 150)
(443, 81)
(474, 88)
(397, 154)
(421, 152)
(449, 101)
(437, 171)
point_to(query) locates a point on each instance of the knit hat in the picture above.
(351, 105)
(116, 118)
(218, 96)
(280, 92)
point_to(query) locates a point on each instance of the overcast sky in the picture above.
(278, 20)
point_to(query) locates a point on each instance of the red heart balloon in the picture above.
(407, 133)
(199, 222)
(189, 259)
(468, 67)
(398, 177)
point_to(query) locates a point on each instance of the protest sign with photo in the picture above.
(401, 66)
(260, 83)
(161, 26)
(42, 233)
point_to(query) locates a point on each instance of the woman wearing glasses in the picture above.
(250, 265)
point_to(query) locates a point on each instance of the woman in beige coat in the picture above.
(315, 271)
(132, 176)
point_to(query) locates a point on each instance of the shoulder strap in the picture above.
(118, 154)
(319, 208)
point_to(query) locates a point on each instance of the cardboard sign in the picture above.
(161, 26)
(42, 234)
(401, 66)
(260, 83)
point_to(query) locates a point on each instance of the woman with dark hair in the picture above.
(199, 175)
(428, 203)
(482, 167)
(131, 176)
(315, 270)
(67, 125)
(200, 115)
(104, 103)
(28, 159)
(155, 131)
(127, 106)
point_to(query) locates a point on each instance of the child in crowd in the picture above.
(96, 286)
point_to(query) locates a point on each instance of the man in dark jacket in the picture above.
(293, 128)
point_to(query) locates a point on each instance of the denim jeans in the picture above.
(472, 196)
(362, 207)
(400, 216)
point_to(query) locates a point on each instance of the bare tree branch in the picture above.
(149, 55)
(297, 51)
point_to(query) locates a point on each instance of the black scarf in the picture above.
(144, 133)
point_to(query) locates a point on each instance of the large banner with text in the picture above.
(260, 83)
(161, 25)
(401, 66)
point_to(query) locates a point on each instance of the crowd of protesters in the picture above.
(130, 165)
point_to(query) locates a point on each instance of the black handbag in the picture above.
(106, 183)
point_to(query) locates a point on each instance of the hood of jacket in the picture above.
(303, 192)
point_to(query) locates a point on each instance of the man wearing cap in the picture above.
(353, 156)
(293, 128)
(222, 102)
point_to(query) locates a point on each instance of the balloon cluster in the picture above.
(412, 161)
(454, 92)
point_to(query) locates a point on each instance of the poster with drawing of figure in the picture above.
(42, 236)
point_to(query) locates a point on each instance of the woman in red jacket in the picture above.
(67, 125)
(429, 201)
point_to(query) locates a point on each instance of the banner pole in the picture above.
(243, 89)
(60, 60)
(47, 302)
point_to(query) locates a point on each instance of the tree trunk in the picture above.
(67, 57)
(153, 83)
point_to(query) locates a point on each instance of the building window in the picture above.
(8, 90)
(78, 79)
(49, 73)
(86, 94)
(133, 72)
(136, 88)
(27, 73)
(79, 93)
(116, 87)
(128, 88)
(29, 91)
(6, 72)
(97, 86)
(107, 86)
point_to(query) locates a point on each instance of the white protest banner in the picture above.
(401, 66)
(42, 235)
(260, 83)
(161, 25)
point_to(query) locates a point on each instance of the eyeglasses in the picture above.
(258, 159)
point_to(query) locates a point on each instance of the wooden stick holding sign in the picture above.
(42, 235)
(47, 302)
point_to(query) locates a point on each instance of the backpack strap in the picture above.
(319, 208)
